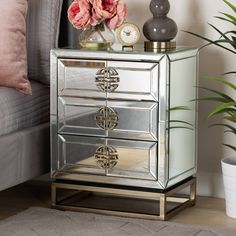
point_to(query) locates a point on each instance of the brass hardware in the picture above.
(107, 79)
(165, 199)
(106, 118)
(150, 46)
(106, 157)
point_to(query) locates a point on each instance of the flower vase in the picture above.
(98, 37)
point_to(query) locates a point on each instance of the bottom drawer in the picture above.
(107, 157)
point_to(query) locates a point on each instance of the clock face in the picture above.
(128, 34)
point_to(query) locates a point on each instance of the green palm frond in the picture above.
(230, 73)
(230, 17)
(227, 98)
(230, 5)
(230, 127)
(180, 108)
(223, 108)
(227, 104)
(213, 99)
(214, 42)
(224, 19)
(231, 147)
(231, 118)
(223, 81)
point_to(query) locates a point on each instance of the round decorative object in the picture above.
(106, 118)
(106, 157)
(160, 28)
(128, 34)
(107, 79)
(97, 38)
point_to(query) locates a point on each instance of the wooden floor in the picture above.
(208, 211)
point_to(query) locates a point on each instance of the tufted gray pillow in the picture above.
(43, 23)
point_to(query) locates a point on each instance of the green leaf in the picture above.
(231, 118)
(230, 17)
(222, 18)
(180, 121)
(230, 73)
(228, 98)
(221, 33)
(223, 81)
(180, 108)
(180, 127)
(229, 131)
(223, 108)
(230, 5)
(231, 32)
(214, 99)
(225, 125)
(211, 41)
(230, 146)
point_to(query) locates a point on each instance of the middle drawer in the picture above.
(113, 119)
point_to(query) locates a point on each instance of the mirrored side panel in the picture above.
(182, 118)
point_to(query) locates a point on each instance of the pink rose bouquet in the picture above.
(94, 13)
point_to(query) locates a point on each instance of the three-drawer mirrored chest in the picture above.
(123, 121)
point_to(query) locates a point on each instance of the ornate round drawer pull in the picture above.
(107, 79)
(106, 157)
(106, 118)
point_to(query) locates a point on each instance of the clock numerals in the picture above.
(128, 34)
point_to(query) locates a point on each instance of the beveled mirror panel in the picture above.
(77, 154)
(136, 120)
(117, 158)
(77, 116)
(182, 123)
(136, 159)
(137, 80)
(116, 119)
(78, 77)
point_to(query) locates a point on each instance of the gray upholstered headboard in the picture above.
(43, 23)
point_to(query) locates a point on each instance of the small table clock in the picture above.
(128, 35)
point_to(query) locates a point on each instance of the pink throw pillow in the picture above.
(13, 62)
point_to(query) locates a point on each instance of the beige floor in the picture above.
(208, 211)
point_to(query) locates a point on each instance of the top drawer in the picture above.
(108, 79)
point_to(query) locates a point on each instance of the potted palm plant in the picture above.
(226, 104)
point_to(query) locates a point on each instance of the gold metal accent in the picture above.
(150, 46)
(165, 199)
(106, 157)
(106, 118)
(107, 79)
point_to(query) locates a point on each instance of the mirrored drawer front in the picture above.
(111, 157)
(114, 119)
(110, 79)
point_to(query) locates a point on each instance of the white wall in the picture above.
(193, 15)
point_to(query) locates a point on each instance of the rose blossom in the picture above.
(102, 10)
(119, 17)
(79, 14)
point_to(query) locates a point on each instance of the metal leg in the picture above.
(54, 195)
(165, 199)
(163, 207)
(193, 192)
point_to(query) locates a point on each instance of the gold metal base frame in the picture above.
(151, 46)
(123, 202)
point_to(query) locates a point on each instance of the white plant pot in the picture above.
(229, 178)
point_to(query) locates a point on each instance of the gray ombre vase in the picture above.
(160, 29)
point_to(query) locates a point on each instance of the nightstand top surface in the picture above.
(138, 49)
(135, 54)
